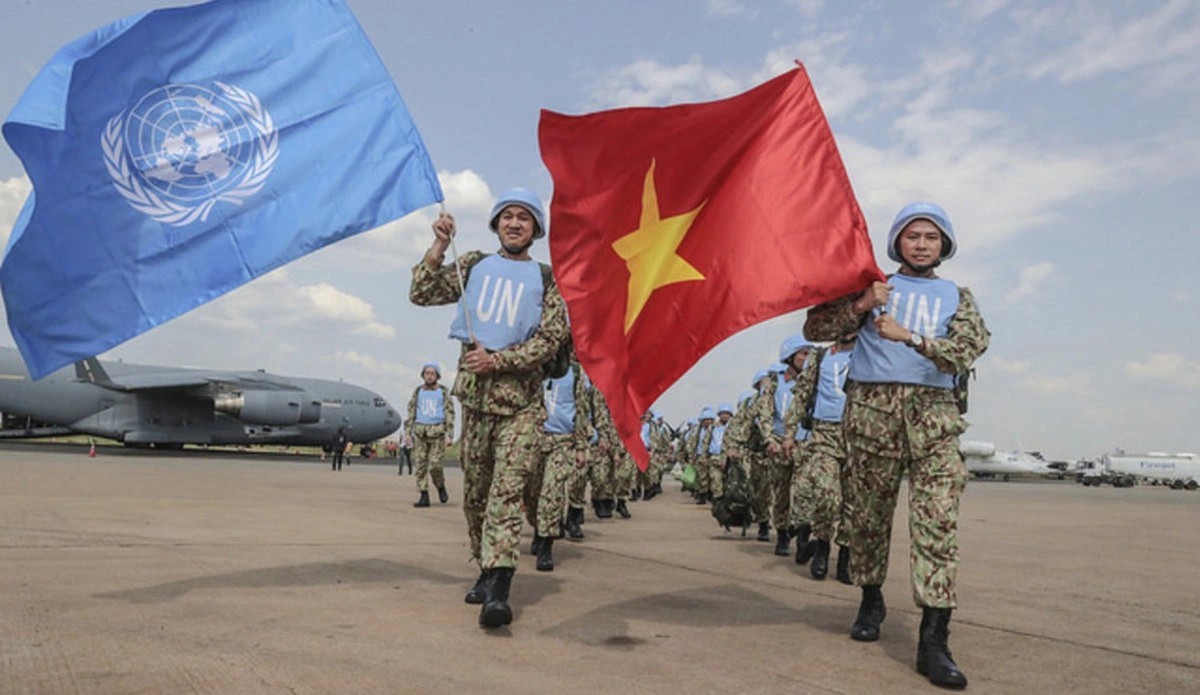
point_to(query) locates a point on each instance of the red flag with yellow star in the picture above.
(673, 228)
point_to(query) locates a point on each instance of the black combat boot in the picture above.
(424, 501)
(606, 508)
(871, 613)
(478, 593)
(804, 549)
(782, 541)
(652, 492)
(843, 564)
(933, 650)
(764, 532)
(636, 494)
(622, 509)
(495, 611)
(820, 559)
(574, 516)
(443, 496)
(545, 555)
(536, 544)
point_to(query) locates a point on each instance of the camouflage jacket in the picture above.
(516, 383)
(412, 409)
(602, 420)
(902, 420)
(805, 390)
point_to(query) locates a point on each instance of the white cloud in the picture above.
(1030, 281)
(650, 83)
(1007, 366)
(13, 192)
(273, 303)
(1098, 43)
(1166, 367)
(808, 8)
(727, 8)
(1078, 385)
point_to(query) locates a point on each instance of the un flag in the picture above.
(179, 154)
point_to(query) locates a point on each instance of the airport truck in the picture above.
(1179, 471)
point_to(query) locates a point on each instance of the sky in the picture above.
(1063, 138)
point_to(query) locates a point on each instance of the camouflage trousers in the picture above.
(818, 498)
(892, 430)
(760, 485)
(799, 505)
(577, 485)
(780, 475)
(429, 445)
(601, 473)
(624, 472)
(561, 459)
(716, 475)
(703, 477)
(499, 453)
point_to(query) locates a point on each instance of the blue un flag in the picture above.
(179, 154)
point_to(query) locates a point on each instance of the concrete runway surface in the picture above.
(187, 572)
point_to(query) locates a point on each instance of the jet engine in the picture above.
(981, 449)
(269, 407)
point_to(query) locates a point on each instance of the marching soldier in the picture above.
(499, 382)
(916, 333)
(429, 429)
(771, 409)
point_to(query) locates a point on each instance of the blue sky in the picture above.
(1062, 137)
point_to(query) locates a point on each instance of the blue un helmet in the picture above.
(526, 199)
(922, 211)
(791, 345)
(758, 376)
(707, 413)
(437, 370)
(725, 408)
(777, 368)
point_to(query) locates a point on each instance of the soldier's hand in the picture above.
(789, 446)
(449, 440)
(874, 296)
(479, 361)
(773, 447)
(443, 227)
(890, 329)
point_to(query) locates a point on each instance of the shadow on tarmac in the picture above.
(311, 574)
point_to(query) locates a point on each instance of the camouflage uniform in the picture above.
(602, 458)
(502, 417)
(429, 441)
(779, 466)
(563, 459)
(817, 489)
(893, 429)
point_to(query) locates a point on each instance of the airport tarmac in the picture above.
(142, 572)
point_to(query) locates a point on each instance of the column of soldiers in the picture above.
(843, 425)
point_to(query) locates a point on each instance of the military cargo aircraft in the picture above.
(168, 407)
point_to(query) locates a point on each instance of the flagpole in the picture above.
(462, 291)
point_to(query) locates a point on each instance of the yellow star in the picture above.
(649, 251)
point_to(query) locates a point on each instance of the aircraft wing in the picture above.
(89, 370)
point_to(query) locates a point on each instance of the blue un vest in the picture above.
(431, 406)
(646, 435)
(783, 399)
(505, 300)
(718, 436)
(923, 306)
(831, 382)
(560, 404)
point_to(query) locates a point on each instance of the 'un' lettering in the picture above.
(502, 306)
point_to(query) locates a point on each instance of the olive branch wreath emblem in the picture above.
(146, 201)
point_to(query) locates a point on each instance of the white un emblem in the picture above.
(183, 148)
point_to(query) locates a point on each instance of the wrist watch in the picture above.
(915, 339)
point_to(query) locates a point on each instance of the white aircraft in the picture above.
(984, 461)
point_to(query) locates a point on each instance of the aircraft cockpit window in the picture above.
(380, 403)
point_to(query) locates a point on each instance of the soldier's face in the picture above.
(725, 417)
(429, 376)
(515, 226)
(920, 243)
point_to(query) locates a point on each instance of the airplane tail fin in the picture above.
(89, 370)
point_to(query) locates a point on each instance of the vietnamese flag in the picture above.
(674, 228)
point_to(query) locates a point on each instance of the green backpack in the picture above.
(733, 508)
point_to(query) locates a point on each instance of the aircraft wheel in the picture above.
(1192, 485)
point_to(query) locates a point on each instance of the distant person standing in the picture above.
(916, 334)
(337, 449)
(429, 429)
(505, 346)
